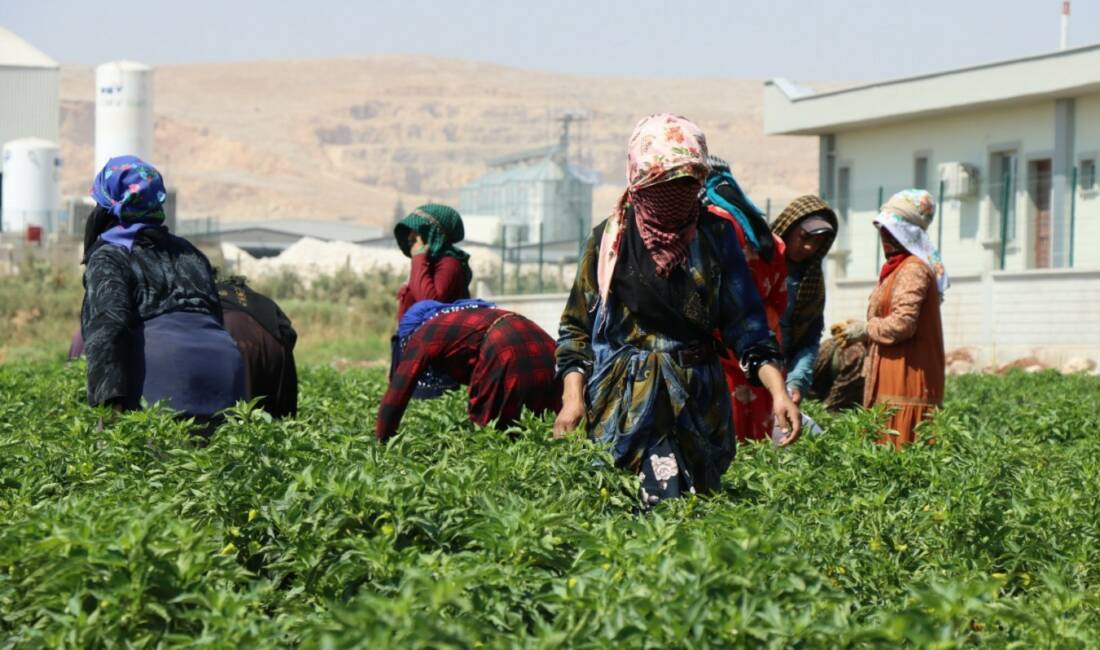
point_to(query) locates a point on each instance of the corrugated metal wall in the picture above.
(29, 104)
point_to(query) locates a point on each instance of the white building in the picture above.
(29, 101)
(1021, 134)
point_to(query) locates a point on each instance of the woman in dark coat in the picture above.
(151, 320)
(266, 339)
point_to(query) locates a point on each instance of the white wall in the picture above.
(884, 156)
(1087, 222)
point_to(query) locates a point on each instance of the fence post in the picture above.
(1072, 213)
(503, 251)
(580, 239)
(540, 256)
(1004, 217)
(878, 245)
(939, 216)
(768, 208)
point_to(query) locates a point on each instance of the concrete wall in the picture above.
(1005, 315)
(1087, 221)
(543, 309)
(1001, 315)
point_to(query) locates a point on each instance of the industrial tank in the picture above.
(123, 111)
(31, 180)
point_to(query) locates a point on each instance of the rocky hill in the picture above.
(349, 138)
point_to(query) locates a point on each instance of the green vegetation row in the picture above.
(307, 533)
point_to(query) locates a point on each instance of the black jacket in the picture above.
(161, 274)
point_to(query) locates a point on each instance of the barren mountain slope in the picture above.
(346, 138)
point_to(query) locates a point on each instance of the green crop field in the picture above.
(307, 533)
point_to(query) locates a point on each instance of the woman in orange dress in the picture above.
(905, 362)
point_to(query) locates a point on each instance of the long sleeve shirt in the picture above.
(161, 274)
(443, 280)
(800, 354)
(507, 360)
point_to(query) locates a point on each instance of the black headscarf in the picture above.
(98, 221)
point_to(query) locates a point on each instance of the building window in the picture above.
(1002, 190)
(920, 172)
(1086, 175)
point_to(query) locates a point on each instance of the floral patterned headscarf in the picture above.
(662, 148)
(907, 216)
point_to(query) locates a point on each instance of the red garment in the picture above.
(753, 418)
(507, 360)
(443, 280)
(892, 264)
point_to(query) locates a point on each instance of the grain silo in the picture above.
(29, 104)
(123, 111)
(32, 176)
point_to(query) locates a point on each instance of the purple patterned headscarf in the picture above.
(132, 190)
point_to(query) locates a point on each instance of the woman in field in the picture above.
(904, 370)
(637, 348)
(507, 361)
(266, 339)
(763, 251)
(151, 320)
(808, 227)
(440, 271)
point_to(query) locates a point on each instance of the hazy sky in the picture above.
(799, 39)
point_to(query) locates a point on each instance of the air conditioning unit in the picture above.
(960, 180)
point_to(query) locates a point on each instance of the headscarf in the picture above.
(662, 148)
(907, 216)
(809, 302)
(723, 191)
(440, 227)
(132, 191)
(426, 310)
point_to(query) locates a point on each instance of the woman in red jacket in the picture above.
(440, 272)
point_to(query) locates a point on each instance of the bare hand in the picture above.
(572, 409)
(417, 245)
(568, 419)
(796, 396)
(788, 417)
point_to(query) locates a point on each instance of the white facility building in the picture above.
(1010, 149)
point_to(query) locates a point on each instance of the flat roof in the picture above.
(18, 53)
(790, 109)
(324, 230)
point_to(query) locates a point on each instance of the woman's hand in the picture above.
(855, 332)
(789, 419)
(572, 406)
(787, 415)
(417, 245)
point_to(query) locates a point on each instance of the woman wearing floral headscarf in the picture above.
(905, 363)
(637, 349)
(151, 318)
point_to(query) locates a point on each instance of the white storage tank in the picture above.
(123, 111)
(31, 185)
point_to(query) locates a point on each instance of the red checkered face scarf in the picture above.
(666, 215)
